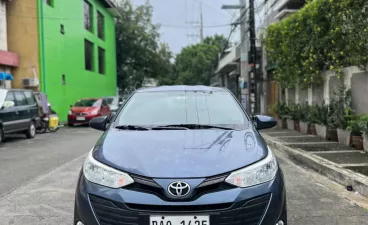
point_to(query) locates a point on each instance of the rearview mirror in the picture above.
(264, 122)
(8, 104)
(99, 123)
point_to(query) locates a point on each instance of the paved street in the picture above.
(38, 179)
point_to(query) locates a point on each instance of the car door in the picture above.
(9, 116)
(22, 110)
(32, 106)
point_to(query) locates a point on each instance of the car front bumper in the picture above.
(262, 204)
(73, 119)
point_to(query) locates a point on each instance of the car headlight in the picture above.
(258, 173)
(101, 174)
(70, 112)
(95, 112)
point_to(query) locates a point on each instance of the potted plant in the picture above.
(313, 119)
(282, 112)
(354, 126)
(340, 101)
(289, 119)
(364, 126)
(321, 120)
(303, 120)
(344, 135)
(295, 114)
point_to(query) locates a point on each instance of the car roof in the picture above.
(181, 88)
(90, 99)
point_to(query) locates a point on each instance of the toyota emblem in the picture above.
(178, 189)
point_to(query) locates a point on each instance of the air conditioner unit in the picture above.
(30, 82)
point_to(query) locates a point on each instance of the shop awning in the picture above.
(6, 76)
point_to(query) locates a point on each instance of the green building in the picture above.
(69, 50)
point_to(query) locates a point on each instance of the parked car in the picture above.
(19, 112)
(113, 102)
(86, 109)
(181, 155)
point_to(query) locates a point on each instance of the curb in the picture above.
(342, 176)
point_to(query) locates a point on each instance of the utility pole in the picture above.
(253, 60)
(201, 27)
(198, 24)
(244, 66)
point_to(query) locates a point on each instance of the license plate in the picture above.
(179, 220)
(81, 118)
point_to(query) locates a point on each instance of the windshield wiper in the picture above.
(191, 126)
(131, 127)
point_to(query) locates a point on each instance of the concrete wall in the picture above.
(317, 94)
(3, 27)
(22, 20)
(303, 95)
(359, 91)
(353, 78)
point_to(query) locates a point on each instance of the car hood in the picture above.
(180, 153)
(82, 109)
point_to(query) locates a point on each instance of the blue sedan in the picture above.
(181, 155)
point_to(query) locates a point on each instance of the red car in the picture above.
(86, 109)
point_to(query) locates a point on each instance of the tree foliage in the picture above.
(139, 52)
(323, 35)
(195, 64)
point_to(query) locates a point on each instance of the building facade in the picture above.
(8, 59)
(66, 48)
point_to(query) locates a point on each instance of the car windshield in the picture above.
(182, 107)
(87, 103)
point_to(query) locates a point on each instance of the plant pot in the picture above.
(321, 130)
(296, 125)
(304, 127)
(290, 124)
(313, 129)
(357, 142)
(332, 134)
(365, 142)
(344, 136)
(282, 123)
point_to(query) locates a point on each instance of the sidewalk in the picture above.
(341, 163)
(49, 199)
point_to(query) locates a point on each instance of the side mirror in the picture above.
(99, 123)
(8, 104)
(264, 122)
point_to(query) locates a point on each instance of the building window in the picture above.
(88, 24)
(101, 25)
(49, 2)
(62, 29)
(88, 55)
(101, 60)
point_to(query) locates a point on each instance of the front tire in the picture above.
(43, 127)
(2, 135)
(31, 131)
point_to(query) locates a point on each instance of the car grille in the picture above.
(81, 114)
(148, 185)
(242, 213)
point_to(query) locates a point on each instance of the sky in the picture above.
(173, 15)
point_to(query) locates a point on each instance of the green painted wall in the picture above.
(64, 54)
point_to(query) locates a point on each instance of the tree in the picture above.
(139, 53)
(195, 64)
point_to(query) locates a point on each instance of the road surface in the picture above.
(38, 179)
